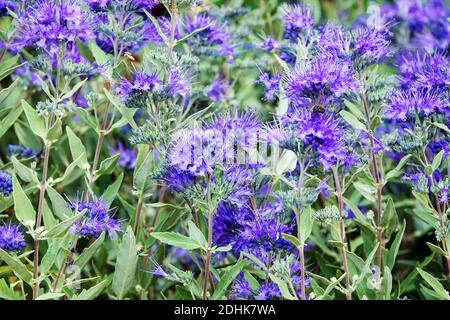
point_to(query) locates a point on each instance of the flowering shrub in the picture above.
(188, 149)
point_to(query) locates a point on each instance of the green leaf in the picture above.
(55, 132)
(74, 89)
(227, 279)
(89, 252)
(290, 238)
(365, 190)
(92, 292)
(413, 274)
(127, 113)
(397, 171)
(393, 251)
(436, 249)
(77, 149)
(306, 224)
(10, 119)
(126, 265)
(354, 109)
(25, 173)
(6, 292)
(330, 287)
(435, 284)
(177, 240)
(197, 235)
(352, 120)
(19, 268)
(287, 162)
(283, 288)
(111, 192)
(36, 122)
(389, 218)
(8, 66)
(437, 160)
(193, 33)
(68, 172)
(142, 173)
(22, 205)
(4, 93)
(441, 126)
(62, 227)
(51, 296)
(101, 58)
(59, 205)
(107, 166)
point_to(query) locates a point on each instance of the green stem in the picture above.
(342, 234)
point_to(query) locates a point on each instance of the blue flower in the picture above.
(6, 187)
(218, 89)
(297, 20)
(271, 85)
(11, 239)
(19, 151)
(51, 23)
(96, 219)
(128, 157)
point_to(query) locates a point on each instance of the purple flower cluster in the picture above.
(120, 26)
(424, 80)
(426, 23)
(96, 219)
(271, 85)
(49, 24)
(254, 230)
(320, 82)
(213, 33)
(11, 239)
(19, 151)
(128, 157)
(218, 89)
(297, 20)
(141, 82)
(6, 187)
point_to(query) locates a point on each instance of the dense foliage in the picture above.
(230, 149)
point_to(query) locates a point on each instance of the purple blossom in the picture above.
(199, 150)
(297, 20)
(6, 187)
(5, 5)
(19, 151)
(268, 292)
(96, 219)
(51, 23)
(404, 105)
(320, 82)
(128, 157)
(213, 34)
(423, 70)
(335, 41)
(158, 270)
(141, 82)
(11, 239)
(269, 44)
(372, 43)
(178, 180)
(179, 83)
(443, 196)
(239, 128)
(218, 89)
(322, 135)
(241, 290)
(271, 85)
